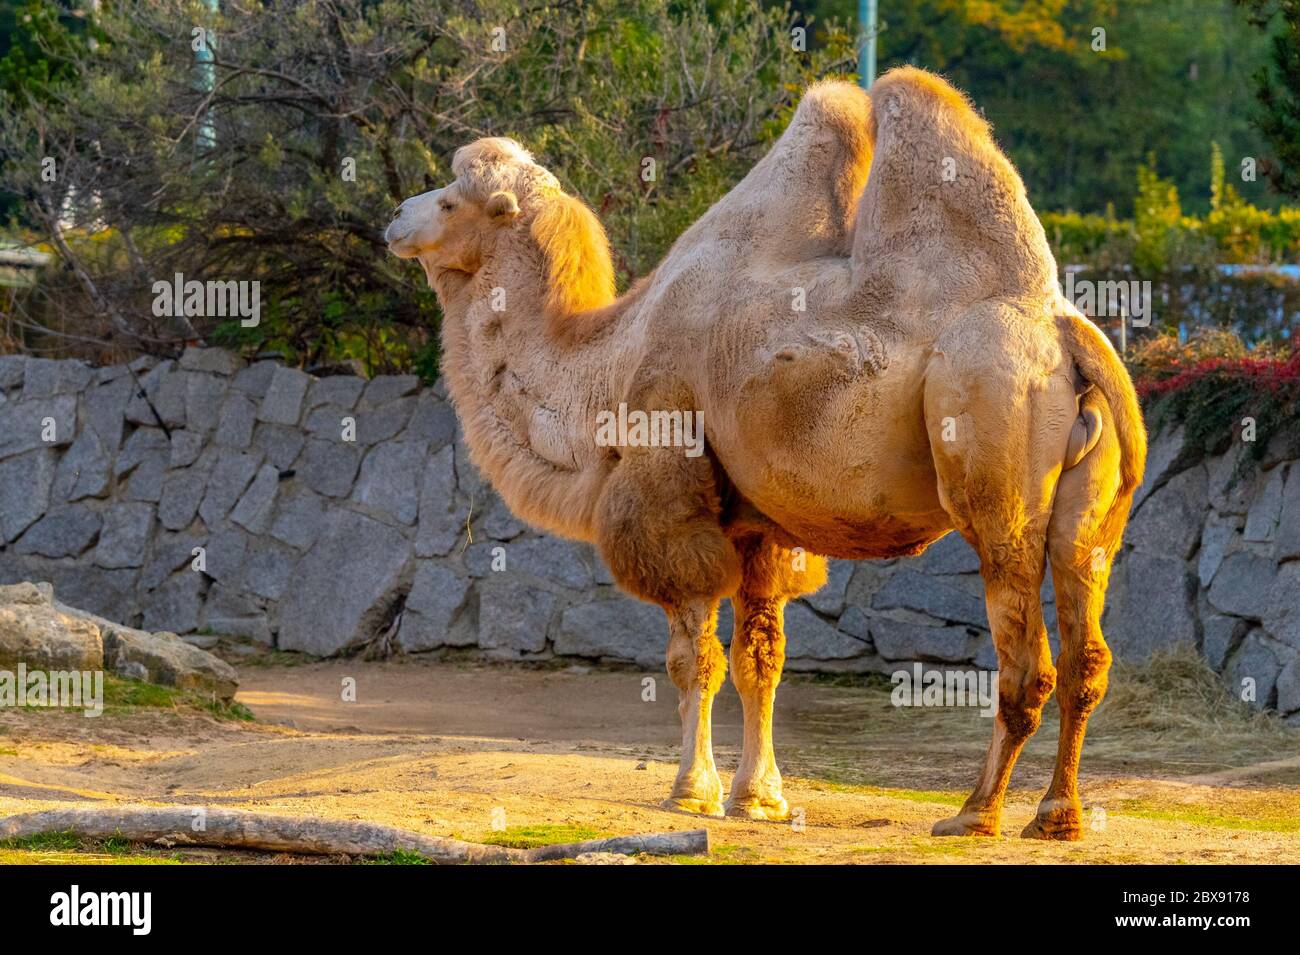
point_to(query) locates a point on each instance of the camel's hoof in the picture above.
(769, 809)
(1059, 827)
(965, 825)
(700, 807)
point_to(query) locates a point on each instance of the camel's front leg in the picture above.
(697, 666)
(757, 656)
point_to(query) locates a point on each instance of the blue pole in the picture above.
(866, 43)
(207, 136)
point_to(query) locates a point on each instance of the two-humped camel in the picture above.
(871, 324)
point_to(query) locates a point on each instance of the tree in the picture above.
(1278, 91)
(326, 113)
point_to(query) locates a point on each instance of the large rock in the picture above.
(1217, 539)
(166, 659)
(253, 512)
(386, 388)
(342, 391)
(830, 598)
(909, 589)
(809, 637)
(175, 606)
(1169, 522)
(513, 616)
(442, 518)
(619, 629)
(203, 401)
(284, 396)
(437, 598)
(230, 476)
(901, 640)
(1246, 586)
(41, 423)
(390, 479)
(1252, 672)
(25, 483)
(329, 467)
(1150, 606)
(351, 573)
(299, 517)
(33, 631)
(1287, 544)
(124, 535)
(64, 532)
(1262, 518)
(83, 472)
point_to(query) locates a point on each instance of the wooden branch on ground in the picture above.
(239, 829)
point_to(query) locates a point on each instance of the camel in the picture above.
(871, 327)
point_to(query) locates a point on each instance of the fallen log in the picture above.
(239, 829)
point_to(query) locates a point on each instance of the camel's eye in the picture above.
(447, 206)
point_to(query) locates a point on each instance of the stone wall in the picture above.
(332, 512)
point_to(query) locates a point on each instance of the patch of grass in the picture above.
(121, 692)
(63, 848)
(911, 795)
(530, 837)
(398, 857)
(1263, 822)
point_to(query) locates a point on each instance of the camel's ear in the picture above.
(502, 207)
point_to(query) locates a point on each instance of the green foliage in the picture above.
(306, 90)
(1277, 90)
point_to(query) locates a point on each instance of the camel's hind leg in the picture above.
(999, 426)
(1084, 533)
(697, 667)
(770, 575)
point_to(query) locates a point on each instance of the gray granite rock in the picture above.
(170, 553)
(329, 467)
(1169, 522)
(47, 377)
(204, 397)
(230, 477)
(268, 568)
(1150, 606)
(214, 361)
(175, 605)
(442, 519)
(254, 380)
(950, 554)
(182, 492)
(12, 368)
(42, 636)
(434, 421)
(1217, 538)
(1287, 544)
(66, 531)
(899, 640)
(1221, 636)
(1262, 518)
(342, 391)
(513, 616)
(166, 659)
(284, 396)
(438, 596)
(280, 444)
(498, 523)
(390, 479)
(939, 597)
(236, 421)
(26, 425)
(253, 512)
(619, 629)
(163, 401)
(549, 559)
(1251, 673)
(1245, 586)
(186, 446)
(146, 481)
(1288, 686)
(384, 422)
(105, 410)
(299, 517)
(322, 616)
(25, 483)
(224, 555)
(124, 535)
(808, 636)
(385, 388)
(830, 598)
(142, 443)
(83, 471)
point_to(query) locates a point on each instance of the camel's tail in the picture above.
(1095, 358)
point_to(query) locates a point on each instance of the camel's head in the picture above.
(497, 187)
(447, 228)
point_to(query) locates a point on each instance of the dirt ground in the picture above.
(446, 748)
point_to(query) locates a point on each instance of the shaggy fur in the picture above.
(870, 324)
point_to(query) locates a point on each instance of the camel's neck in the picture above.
(527, 400)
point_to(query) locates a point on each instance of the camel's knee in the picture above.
(758, 647)
(1021, 699)
(695, 658)
(1084, 676)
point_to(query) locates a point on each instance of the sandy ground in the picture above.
(447, 748)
